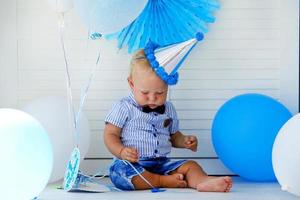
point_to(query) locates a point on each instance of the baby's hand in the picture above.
(130, 154)
(190, 142)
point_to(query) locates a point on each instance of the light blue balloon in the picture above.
(243, 133)
(26, 155)
(108, 16)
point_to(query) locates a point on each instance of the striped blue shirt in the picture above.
(150, 132)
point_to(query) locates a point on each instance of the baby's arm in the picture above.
(184, 141)
(114, 144)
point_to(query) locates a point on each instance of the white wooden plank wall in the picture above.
(240, 54)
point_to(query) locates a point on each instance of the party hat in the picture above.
(166, 61)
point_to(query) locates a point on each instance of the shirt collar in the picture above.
(131, 97)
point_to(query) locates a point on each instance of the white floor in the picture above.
(241, 190)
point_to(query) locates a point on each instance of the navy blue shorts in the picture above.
(121, 172)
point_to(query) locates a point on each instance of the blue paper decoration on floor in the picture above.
(167, 22)
(72, 170)
(76, 181)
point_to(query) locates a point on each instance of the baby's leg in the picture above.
(167, 181)
(198, 179)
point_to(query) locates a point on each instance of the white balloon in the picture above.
(26, 155)
(108, 16)
(286, 156)
(53, 114)
(61, 6)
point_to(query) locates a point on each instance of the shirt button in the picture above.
(155, 151)
(154, 135)
(157, 142)
(153, 125)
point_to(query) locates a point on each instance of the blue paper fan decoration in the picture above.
(167, 22)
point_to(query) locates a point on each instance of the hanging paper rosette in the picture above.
(167, 22)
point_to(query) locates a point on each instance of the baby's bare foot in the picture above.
(215, 184)
(173, 181)
(229, 181)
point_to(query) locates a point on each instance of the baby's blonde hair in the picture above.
(139, 62)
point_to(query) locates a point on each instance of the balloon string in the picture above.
(82, 179)
(69, 89)
(76, 117)
(84, 94)
(142, 177)
(95, 176)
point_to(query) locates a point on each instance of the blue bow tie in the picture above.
(160, 109)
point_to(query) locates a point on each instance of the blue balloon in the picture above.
(243, 133)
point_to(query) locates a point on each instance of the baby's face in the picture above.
(148, 89)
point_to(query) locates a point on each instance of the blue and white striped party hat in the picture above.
(166, 61)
